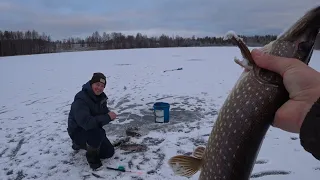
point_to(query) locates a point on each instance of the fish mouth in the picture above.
(304, 33)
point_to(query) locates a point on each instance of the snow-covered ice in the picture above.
(36, 92)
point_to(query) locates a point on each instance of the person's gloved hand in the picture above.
(301, 81)
(112, 115)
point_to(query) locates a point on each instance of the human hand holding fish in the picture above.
(300, 80)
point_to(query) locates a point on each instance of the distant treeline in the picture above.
(31, 42)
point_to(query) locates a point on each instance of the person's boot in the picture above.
(93, 158)
(77, 147)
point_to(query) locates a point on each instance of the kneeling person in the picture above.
(88, 114)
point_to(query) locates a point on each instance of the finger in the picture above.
(273, 63)
(290, 115)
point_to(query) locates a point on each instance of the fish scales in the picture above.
(249, 109)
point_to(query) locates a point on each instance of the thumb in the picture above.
(273, 63)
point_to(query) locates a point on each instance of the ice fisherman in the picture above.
(88, 114)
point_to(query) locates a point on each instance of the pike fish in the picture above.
(248, 111)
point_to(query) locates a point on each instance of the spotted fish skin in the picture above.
(240, 127)
(248, 111)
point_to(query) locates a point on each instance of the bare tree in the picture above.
(31, 42)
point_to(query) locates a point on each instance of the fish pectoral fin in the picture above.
(183, 165)
(243, 63)
(245, 52)
(199, 152)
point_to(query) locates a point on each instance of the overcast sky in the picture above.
(65, 18)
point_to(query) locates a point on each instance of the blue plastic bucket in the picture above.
(161, 112)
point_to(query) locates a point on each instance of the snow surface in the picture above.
(37, 90)
(232, 34)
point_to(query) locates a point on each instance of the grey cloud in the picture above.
(185, 17)
(57, 25)
(243, 16)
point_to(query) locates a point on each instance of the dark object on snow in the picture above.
(173, 69)
(97, 176)
(93, 158)
(120, 168)
(133, 147)
(133, 132)
(121, 141)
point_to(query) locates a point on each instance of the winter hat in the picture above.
(98, 77)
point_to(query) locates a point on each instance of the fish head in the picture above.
(298, 40)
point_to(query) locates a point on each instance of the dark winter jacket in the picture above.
(310, 131)
(88, 111)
